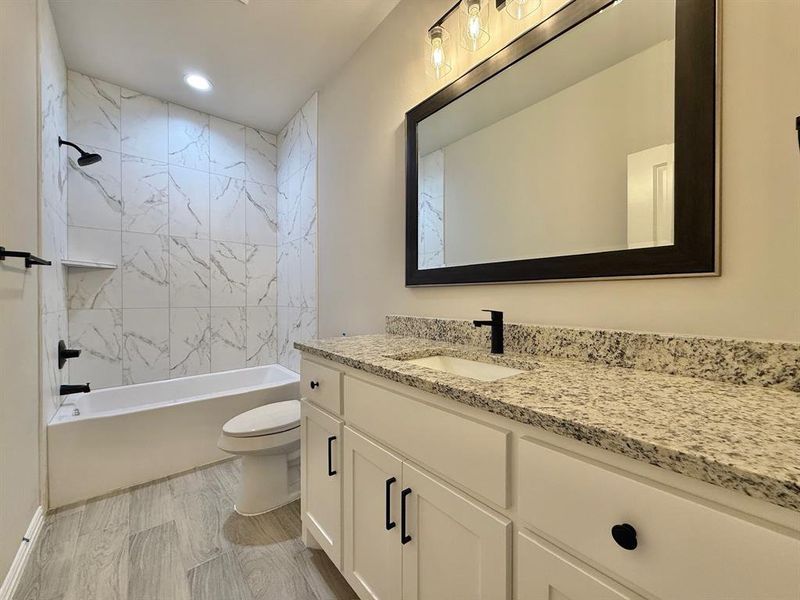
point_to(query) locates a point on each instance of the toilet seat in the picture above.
(270, 419)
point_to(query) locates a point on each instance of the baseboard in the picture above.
(14, 574)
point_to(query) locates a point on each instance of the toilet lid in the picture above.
(265, 420)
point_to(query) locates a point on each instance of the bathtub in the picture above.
(115, 438)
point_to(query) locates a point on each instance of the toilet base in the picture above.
(264, 484)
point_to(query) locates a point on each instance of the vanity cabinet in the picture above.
(322, 386)
(372, 549)
(414, 496)
(546, 573)
(681, 548)
(409, 535)
(456, 547)
(321, 478)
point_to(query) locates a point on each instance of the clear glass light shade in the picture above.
(473, 16)
(519, 9)
(438, 53)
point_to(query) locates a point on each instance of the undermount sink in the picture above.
(466, 368)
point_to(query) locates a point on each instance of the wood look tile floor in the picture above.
(177, 539)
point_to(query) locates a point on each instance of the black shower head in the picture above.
(86, 159)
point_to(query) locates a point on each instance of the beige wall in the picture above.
(19, 302)
(361, 204)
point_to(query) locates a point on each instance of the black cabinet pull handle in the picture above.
(331, 472)
(625, 536)
(404, 537)
(389, 523)
(314, 384)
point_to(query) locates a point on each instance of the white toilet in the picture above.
(268, 439)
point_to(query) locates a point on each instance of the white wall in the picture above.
(19, 301)
(185, 203)
(362, 200)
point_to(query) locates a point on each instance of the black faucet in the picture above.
(65, 390)
(497, 329)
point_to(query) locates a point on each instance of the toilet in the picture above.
(268, 440)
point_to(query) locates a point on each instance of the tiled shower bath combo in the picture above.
(212, 226)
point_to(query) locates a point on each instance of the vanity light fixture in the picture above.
(474, 24)
(198, 82)
(438, 52)
(519, 9)
(473, 29)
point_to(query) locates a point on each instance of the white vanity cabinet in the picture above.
(456, 548)
(546, 573)
(321, 478)
(411, 536)
(372, 548)
(431, 499)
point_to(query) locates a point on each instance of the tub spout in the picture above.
(74, 389)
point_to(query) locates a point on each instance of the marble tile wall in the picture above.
(186, 204)
(53, 209)
(297, 233)
(431, 211)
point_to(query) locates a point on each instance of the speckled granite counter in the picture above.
(741, 437)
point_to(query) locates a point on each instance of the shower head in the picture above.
(86, 159)
(89, 159)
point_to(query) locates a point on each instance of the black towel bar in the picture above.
(30, 259)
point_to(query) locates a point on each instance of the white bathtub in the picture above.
(133, 434)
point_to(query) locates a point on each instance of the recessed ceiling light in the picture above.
(197, 82)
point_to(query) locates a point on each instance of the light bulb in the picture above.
(474, 23)
(438, 58)
(437, 54)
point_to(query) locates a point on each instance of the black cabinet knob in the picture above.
(625, 536)
(314, 384)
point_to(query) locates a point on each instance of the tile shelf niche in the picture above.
(87, 264)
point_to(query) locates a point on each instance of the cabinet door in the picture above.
(545, 573)
(372, 550)
(320, 439)
(454, 547)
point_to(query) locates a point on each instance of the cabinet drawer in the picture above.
(468, 452)
(322, 386)
(685, 550)
(545, 572)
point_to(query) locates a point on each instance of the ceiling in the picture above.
(264, 58)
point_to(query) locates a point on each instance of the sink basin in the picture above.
(466, 368)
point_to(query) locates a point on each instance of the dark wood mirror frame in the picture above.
(695, 251)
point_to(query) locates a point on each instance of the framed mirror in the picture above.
(586, 148)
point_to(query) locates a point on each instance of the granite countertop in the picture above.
(741, 437)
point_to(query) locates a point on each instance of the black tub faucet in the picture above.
(66, 390)
(497, 329)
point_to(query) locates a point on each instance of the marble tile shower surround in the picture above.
(771, 364)
(186, 204)
(52, 208)
(297, 233)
